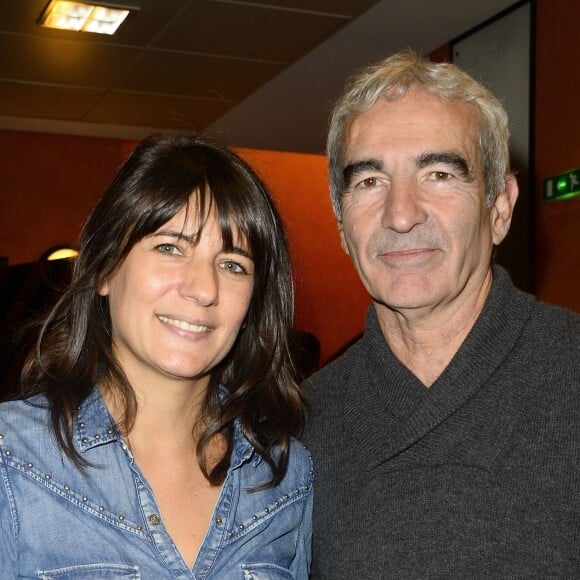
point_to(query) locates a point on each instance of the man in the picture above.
(445, 440)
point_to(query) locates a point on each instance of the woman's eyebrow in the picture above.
(357, 167)
(192, 240)
(449, 158)
(174, 234)
(240, 251)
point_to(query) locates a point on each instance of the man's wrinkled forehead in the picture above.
(357, 146)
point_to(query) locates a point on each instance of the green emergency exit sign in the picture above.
(563, 186)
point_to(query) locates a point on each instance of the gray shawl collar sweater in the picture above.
(476, 476)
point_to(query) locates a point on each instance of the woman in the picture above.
(157, 437)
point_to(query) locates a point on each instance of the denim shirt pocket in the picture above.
(266, 572)
(91, 571)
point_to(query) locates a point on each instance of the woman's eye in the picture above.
(233, 267)
(166, 249)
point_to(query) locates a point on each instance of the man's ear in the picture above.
(502, 210)
(342, 238)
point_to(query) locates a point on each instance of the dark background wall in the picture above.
(557, 149)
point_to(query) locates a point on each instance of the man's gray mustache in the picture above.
(387, 246)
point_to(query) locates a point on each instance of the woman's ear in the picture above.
(103, 288)
(502, 210)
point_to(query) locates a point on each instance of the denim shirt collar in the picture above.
(94, 426)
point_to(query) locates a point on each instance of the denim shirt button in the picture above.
(154, 519)
(218, 521)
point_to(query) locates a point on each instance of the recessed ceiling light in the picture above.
(81, 16)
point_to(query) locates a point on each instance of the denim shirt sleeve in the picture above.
(8, 555)
(301, 566)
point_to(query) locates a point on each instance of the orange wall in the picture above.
(50, 183)
(330, 299)
(557, 125)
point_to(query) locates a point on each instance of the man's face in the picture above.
(415, 221)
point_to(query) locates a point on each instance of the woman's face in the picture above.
(177, 306)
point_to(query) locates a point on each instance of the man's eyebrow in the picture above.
(357, 167)
(447, 157)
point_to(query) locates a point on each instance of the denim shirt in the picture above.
(57, 521)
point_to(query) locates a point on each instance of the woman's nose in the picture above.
(199, 282)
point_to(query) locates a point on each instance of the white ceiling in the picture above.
(254, 74)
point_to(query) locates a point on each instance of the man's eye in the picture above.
(441, 176)
(367, 183)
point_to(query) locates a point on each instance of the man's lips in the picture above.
(409, 256)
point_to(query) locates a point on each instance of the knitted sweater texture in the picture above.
(474, 477)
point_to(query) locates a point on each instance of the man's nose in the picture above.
(403, 208)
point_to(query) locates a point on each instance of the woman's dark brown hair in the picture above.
(74, 349)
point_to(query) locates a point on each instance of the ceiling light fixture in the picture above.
(81, 16)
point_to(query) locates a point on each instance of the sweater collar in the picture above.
(420, 410)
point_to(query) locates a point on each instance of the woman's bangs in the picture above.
(234, 218)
